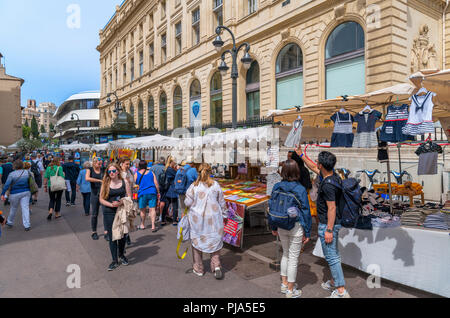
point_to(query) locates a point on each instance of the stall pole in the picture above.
(389, 184)
(400, 162)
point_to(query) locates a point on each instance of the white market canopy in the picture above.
(100, 147)
(147, 142)
(75, 146)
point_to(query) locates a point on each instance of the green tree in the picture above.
(51, 127)
(34, 128)
(43, 129)
(27, 145)
(26, 132)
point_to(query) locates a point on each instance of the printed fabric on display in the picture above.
(293, 139)
(396, 119)
(420, 119)
(428, 157)
(343, 130)
(366, 136)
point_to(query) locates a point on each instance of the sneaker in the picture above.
(28, 229)
(72, 204)
(94, 236)
(295, 293)
(284, 288)
(124, 261)
(113, 266)
(328, 286)
(197, 273)
(67, 203)
(218, 273)
(335, 294)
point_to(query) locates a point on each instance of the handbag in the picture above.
(184, 234)
(57, 183)
(32, 184)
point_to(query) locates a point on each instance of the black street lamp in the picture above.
(223, 68)
(78, 124)
(118, 105)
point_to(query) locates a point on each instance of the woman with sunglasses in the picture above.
(113, 190)
(94, 175)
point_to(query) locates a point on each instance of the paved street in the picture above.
(33, 264)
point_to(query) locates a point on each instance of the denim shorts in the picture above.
(148, 200)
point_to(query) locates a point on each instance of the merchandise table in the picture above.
(240, 196)
(411, 256)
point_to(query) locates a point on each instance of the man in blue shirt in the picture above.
(191, 176)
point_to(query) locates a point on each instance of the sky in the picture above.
(52, 47)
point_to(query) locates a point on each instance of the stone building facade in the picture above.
(159, 58)
(43, 114)
(10, 110)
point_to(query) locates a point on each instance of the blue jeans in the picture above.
(331, 253)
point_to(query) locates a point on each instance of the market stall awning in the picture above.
(147, 142)
(75, 146)
(100, 147)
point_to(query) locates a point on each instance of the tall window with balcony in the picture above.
(344, 59)
(289, 77)
(132, 68)
(218, 13)
(178, 38)
(196, 26)
(163, 112)
(152, 56)
(177, 108)
(252, 90)
(124, 75)
(216, 99)
(141, 63)
(163, 48)
(151, 113)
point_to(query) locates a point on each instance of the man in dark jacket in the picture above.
(71, 171)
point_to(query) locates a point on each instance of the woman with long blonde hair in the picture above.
(207, 211)
(114, 188)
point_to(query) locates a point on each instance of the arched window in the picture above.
(140, 115)
(344, 61)
(163, 112)
(216, 99)
(252, 90)
(177, 108)
(132, 113)
(151, 113)
(195, 93)
(289, 76)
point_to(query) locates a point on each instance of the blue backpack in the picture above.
(181, 182)
(350, 205)
(279, 204)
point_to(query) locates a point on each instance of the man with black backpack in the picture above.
(37, 169)
(185, 176)
(329, 209)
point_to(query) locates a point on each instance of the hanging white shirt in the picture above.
(420, 120)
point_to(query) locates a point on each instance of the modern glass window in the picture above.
(163, 112)
(152, 56)
(177, 108)
(178, 38)
(216, 99)
(141, 63)
(163, 48)
(196, 26)
(140, 115)
(289, 77)
(344, 61)
(132, 68)
(253, 91)
(151, 113)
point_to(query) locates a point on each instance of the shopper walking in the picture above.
(84, 187)
(207, 211)
(186, 175)
(113, 190)
(126, 174)
(17, 183)
(7, 168)
(54, 169)
(168, 196)
(94, 175)
(158, 170)
(71, 171)
(291, 196)
(148, 194)
(328, 209)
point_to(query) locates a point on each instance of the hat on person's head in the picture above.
(183, 163)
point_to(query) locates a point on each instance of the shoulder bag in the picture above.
(8, 192)
(57, 183)
(32, 184)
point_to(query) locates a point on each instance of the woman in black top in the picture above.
(94, 175)
(113, 190)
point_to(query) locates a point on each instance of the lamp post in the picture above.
(223, 68)
(78, 124)
(118, 105)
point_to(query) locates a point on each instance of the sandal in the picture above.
(57, 217)
(49, 217)
(139, 228)
(155, 230)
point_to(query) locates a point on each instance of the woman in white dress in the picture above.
(207, 211)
